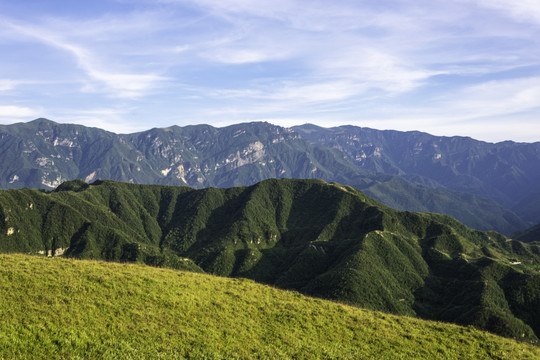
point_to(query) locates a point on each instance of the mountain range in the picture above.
(322, 239)
(486, 186)
(507, 172)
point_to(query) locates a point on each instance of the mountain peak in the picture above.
(42, 121)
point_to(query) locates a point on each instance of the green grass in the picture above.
(324, 240)
(64, 308)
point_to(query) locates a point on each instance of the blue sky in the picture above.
(459, 67)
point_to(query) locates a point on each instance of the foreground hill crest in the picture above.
(90, 309)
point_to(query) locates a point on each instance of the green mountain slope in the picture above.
(322, 239)
(58, 308)
(529, 208)
(43, 154)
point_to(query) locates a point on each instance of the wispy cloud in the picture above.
(110, 119)
(493, 111)
(491, 99)
(523, 10)
(7, 84)
(115, 83)
(498, 97)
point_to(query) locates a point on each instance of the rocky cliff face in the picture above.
(43, 154)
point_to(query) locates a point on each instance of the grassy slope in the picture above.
(54, 308)
(318, 238)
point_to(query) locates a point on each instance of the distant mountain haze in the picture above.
(507, 172)
(486, 186)
(529, 235)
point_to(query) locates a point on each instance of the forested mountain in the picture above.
(322, 239)
(528, 208)
(43, 154)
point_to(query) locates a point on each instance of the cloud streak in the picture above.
(119, 84)
(523, 10)
(8, 84)
(11, 111)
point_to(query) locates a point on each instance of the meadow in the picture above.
(80, 309)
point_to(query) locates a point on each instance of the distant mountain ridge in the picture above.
(507, 172)
(529, 235)
(43, 154)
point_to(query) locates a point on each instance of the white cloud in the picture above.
(497, 98)
(13, 111)
(240, 56)
(297, 93)
(180, 48)
(375, 69)
(523, 10)
(6, 84)
(125, 85)
(492, 111)
(340, 76)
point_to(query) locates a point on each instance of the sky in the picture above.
(446, 67)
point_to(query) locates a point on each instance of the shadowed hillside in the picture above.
(529, 235)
